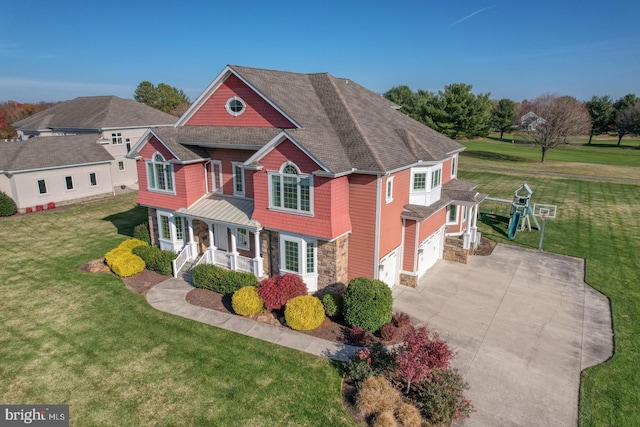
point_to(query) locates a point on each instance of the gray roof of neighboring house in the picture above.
(46, 152)
(343, 125)
(96, 112)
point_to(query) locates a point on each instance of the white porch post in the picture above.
(212, 245)
(234, 250)
(257, 259)
(466, 237)
(193, 248)
(474, 224)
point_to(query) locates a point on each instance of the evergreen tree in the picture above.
(602, 115)
(503, 115)
(162, 97)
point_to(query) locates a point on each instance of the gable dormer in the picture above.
(232, 101)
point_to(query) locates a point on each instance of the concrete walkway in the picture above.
(169, 296)
(524, 325)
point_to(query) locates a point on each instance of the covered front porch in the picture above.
(219, 230)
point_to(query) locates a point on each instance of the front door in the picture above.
(220, 237)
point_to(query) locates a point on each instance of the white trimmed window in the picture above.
(291, 190)
(235, 106)
(68, 182)
(179, 228)
(419, 181)
(452, 214)
(128, 142)
(42, 186)
(297, 255)
(116, 137)
(121, 165)
(436, 177)
(242, 238)
(389, 194)
(238, 179)
(165, 229)
(159, 174)
(454, 166)
(93, 179)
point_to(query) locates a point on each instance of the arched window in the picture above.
(291, 190)
(159, 174)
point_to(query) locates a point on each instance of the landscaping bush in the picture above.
(122, 261)
(332, 303)
(401, 319)
(442, 397)
(246, 301)
(385, 419)
(389, 332)
(408, 415)
(377, 395)
(357, 334)
(141, 232)
(304, 313)
(367, 303)
(231, 281)
(156, 259)
(277, 290)
(367, 362)
(7, 205)
(420, 353)
(206, 276)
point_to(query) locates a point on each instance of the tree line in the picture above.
(12, 111)
(554, 119)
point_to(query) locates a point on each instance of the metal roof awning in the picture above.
(223, 209)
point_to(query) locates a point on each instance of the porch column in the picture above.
(466, 237)
(257, 259)
(474, 224)
(193, 248)
(234, 250)
(212, 245)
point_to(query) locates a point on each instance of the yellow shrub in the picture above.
(122, 261)
(304, 313)
(129, 244)
(246, 301)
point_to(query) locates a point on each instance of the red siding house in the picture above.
(274, 172)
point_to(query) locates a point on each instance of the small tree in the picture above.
(162, 97)
(602, 115)
(504, 115)
(620, 106)
(628, 121)
(562, 117)
(7, 205)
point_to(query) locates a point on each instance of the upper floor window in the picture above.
(454, 166)
(238, 179)
(290, 189)
(426, 179)
(389, 195)
(420, 181)
(116, 137)
(159, 174)
(235, 106)
(436, 177)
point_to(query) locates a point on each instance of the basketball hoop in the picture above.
(544, 212)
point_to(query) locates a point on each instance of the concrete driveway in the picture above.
(524, 325)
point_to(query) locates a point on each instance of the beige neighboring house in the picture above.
(115, 123)
(48, 171)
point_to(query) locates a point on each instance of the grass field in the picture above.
(85, 340)
(598, 221)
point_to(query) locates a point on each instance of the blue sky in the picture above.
(58, 50)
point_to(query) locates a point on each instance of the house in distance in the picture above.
(274, 172)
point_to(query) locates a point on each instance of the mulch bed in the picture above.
(485, 247)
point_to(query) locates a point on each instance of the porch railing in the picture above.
(221, 258)
(245, 264)
(183, 256)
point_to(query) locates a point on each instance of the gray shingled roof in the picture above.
(343, 125)
(47, 152)
(96, 112)
(454, 191)
(221, 208)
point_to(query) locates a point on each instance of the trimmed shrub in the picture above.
(304, 313)
(377, 395)
(206, 276)
(389, 332)
(156, 259)
(357, 334)
(401, 319)
(7, 205)
(332, 303)
(122, 261)
(231, 281)
(385, 419)
(246, 301)
(442, 399)
(367, 303)
(277, 290)
(141, 232)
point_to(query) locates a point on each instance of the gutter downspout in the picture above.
(376, 245)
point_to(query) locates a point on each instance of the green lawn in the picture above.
(598, 221)
(85, 340)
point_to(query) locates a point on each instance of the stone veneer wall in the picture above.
(333, 262)
(453, 251)
(408, 280)
(200, 234)
(153, 226)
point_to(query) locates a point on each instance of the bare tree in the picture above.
(562, 117)
(628, 121)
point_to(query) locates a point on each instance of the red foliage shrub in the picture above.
(389, 332)
(276, 291)
(420, 353)
(401, 319)
(357, 334)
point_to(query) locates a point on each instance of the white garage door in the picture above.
(389, 270)
(429, 252)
